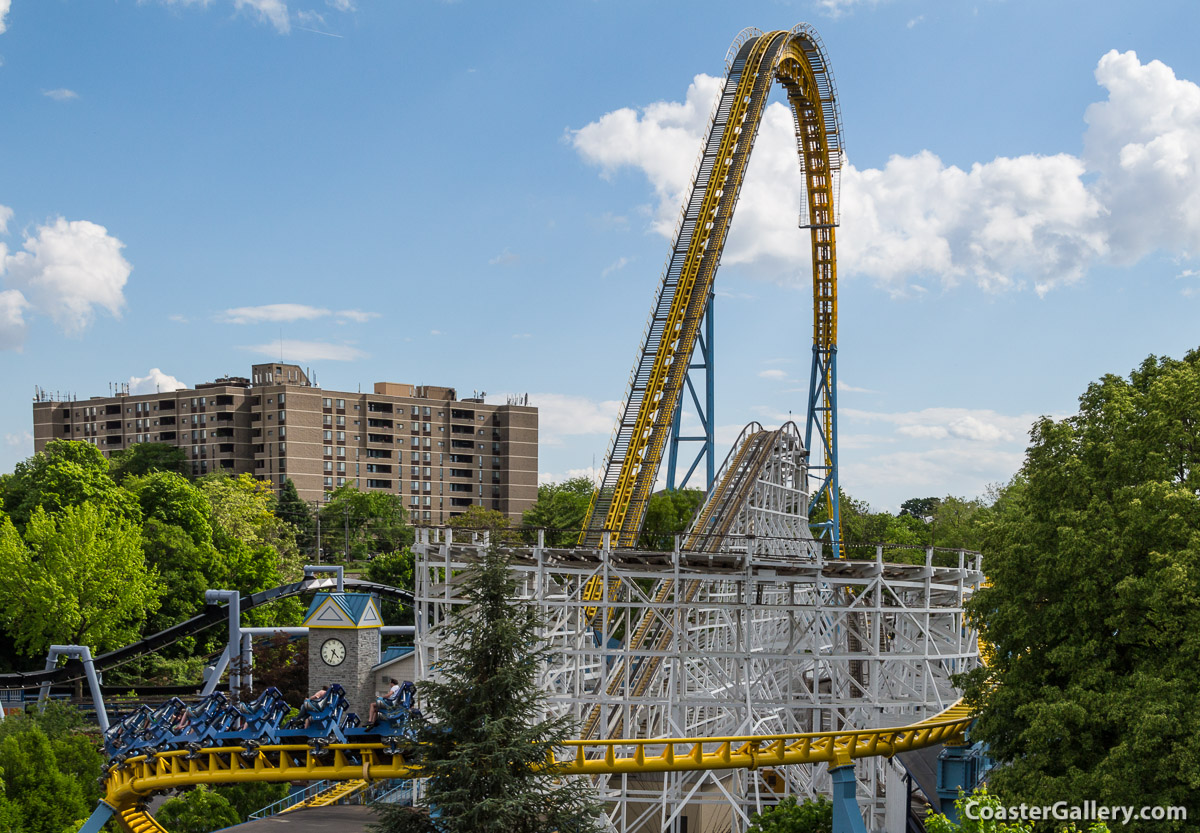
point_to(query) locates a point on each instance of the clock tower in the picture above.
(343, 645)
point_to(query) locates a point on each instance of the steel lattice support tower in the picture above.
(766, 643)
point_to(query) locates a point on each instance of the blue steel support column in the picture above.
(847, 818)
(708, 452)
(97, 819)
(955, 772)
(822, 389)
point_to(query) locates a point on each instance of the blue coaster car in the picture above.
(252, 724)
(320, 720)
(394, 720)
(150, 734)
(197, 726)
(118, 738)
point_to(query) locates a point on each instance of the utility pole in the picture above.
(318, 512)
(347, 534)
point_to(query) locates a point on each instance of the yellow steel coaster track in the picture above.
(796, 59)
(128, 787)
(332, 795)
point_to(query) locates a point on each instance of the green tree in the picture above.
(983, 812)
(10, 811)
(370, 522)
(251, 796)
(394, 570)
(199, 810)
(957, 523)
(668, 514)
(143, 458)
(560, 509)
(1093, 613)
(788, 816)
(479, 518)
(78, 578)
(47, 798)
(291, 509)
(486, 735)
(920, 507)
(66, 473)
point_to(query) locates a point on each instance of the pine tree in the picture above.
(485, 740)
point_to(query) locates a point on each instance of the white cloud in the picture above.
(844, 388)
(5, 5)
(310, 18)
(276, 313)
(505, 258)
(1012, 222)
(12, 318)
(66, 271)
(6, 214)
(941, 470)
(307, 351)
(562, 415)
(272, 313)
(177, 318)
(274, 12)
(341, 5)
(616, 266)
(356, 316)
(774, 373)
(977, 426)
(24, 439)
(154, 382)
(61, 94)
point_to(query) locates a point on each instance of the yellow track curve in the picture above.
(128, 787)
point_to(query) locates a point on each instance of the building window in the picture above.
(341, 467)
(328, 465)
(328, 451)
(341, 452)
(328, 481)
(341, 436)
(341, 403)
(328, 436)
(341, 420)
(328, 420)
(327, 403)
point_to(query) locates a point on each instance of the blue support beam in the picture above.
(98, 818)
(847, 818)
(823, 471)
(702, 361)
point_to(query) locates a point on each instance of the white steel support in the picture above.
(746, 628)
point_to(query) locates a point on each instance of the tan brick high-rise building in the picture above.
(439, 453)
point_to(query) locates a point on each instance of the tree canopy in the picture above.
(144, 458)
(1093, 612)
(370, 522)
(560, 509)
(668, 514)
(77, 578)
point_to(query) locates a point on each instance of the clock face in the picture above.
(333, 652)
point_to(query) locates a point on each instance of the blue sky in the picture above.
(473, 194)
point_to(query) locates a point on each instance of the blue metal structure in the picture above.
(822, 415)
(702, 360)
